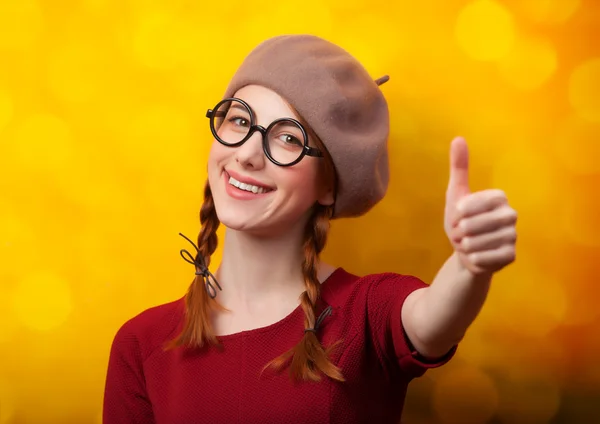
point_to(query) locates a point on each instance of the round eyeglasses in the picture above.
(285, 141)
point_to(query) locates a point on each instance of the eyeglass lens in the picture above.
(232, 121)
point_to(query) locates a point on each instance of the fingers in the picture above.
(486, 222)
(479, 202)
(487, 241)
(492, 260)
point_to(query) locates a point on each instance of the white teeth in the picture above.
(246, 187)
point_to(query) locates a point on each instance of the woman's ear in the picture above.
(327, 197)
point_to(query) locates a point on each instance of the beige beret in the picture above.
(334, 93)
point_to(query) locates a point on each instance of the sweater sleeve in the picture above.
(125, 397)
(384, 310)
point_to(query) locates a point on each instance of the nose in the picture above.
(251, 154)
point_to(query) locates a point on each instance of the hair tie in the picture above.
(326, 312)
(201, 268)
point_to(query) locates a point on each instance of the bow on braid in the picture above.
(201, 268)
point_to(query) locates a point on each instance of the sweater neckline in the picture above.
(329, 281)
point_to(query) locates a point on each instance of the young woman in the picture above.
(276, 335)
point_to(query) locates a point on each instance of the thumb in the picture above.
(458, 184)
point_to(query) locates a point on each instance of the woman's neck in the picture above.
(258, 267)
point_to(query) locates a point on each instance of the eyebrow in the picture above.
(238, 106)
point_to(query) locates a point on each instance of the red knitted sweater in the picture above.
(146, 384)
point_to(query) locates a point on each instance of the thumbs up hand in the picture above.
(480, 225)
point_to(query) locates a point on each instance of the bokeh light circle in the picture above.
(42, 301)
(465, 395)
(529, 64)
(485, 30)
(584, 89)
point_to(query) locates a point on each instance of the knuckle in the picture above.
(499, 196)
(510, 255)
(464, 226)
(511, 234)
(509, 214)
(466, 243)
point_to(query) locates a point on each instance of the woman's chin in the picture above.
(242, 221)
(260, 228)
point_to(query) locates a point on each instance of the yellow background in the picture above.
(103, 144)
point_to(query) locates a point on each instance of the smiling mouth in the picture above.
(248, 187)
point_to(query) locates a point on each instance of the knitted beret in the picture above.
(342, 104)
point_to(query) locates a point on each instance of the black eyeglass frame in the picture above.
(306, 150)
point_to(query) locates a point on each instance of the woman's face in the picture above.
(286, 194)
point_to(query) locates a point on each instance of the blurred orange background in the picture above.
(103, 144)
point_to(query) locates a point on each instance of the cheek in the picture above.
(218, 153)
(302, 179)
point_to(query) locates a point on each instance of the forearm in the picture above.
(440, 314)
(481, 228)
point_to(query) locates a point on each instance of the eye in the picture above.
(239, 121)
(290, 139)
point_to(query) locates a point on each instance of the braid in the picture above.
(207, 239)
(308, 358)
(197, 329)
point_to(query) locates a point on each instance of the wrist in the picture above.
(475, 274)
